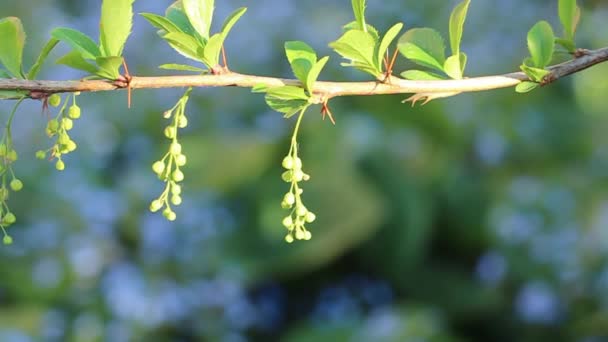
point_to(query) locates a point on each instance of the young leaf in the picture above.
(115, 26)
(161, 23)
(314, 73)
(569, 15)
(421, 75)
(457, 18)
(359, 11)
(181, 67)
(535, 74)
(175, 13)
(525, 87)
(286, 99)
(541, 43)
(184, 44)
(386, 41)
(4, 74)
(12, 40)
(353, 25)
(232, 19)
(41, 58)
(74, 59)
(301, 57)
(359, 47)
(424, 46)
(109, 67)
(77, 41)
(200, 14)
(452, 67)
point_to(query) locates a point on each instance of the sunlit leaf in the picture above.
(12, 40)
(200, 14)
(525, 87)
(387, 40)
(569, 15)
(115, 26)
(424, 46)
(74, 59)
(301, 57)
(457, 19)
(44, 53)
(181, 67)
(314, 73)
(360, 48)
(541, 43)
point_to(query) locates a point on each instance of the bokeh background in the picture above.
(482, 217)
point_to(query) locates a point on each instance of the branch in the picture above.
(322, 90)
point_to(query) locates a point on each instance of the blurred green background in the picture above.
(482, 217)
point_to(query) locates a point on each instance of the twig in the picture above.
(322, 90)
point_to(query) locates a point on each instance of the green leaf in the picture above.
(175, 13)
(301, 57)
(286, 99)
(452, 67)
(525, 87)
(44, 53)
(184, 44)
(109, 67)
(214, 45)
(74, 59)
(457, 19)
(115, 26)
(541, 43)
(569, 15)
(161, 23)
(181, 67)
(12, 94)
(424, 46)
(420, 75)
(359, 11)
(535, 74)
(4, 74)
(360, 48)
(314, 73)
(353, 25)
(200, 14)
(211, 51)
(566, 44)
(386, 42)
(12, 40)
(78, 41)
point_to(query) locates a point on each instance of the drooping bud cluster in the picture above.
(168, 167)
(8, 156)
(59, 127)
(299, 215)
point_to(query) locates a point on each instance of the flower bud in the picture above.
(74, 112)
(158, 167)
(288, 162)
(180, 160)
(176, 148)
(156, 205)
(288, 222)
(289, 198)
(310, 217)
(60, 166)
(16, 184)
(54, 100)
(177, 175)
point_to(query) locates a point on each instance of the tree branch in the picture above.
(322, 90)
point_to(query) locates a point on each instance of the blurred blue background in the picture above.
(482, 217)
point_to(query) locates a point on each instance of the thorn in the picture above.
(224, 59)
(128, 79)
(325, 111)
(389, 66)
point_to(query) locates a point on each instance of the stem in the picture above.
(321, 89)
